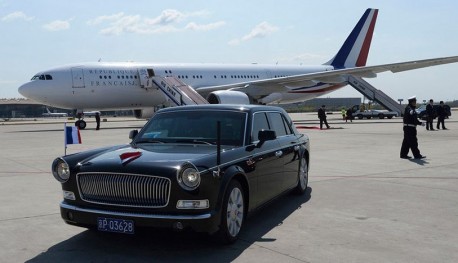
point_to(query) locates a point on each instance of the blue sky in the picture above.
(37, 35)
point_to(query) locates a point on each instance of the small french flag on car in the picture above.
(72, 135)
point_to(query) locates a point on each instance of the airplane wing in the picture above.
(259, 88)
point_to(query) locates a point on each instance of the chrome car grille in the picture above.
(124, 189)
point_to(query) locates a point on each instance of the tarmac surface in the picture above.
(364, 203)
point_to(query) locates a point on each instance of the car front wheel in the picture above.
(233, 213)
(303, 177)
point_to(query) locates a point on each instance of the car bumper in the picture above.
(87, 217)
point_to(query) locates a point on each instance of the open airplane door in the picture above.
(145, 77)
(77, 78)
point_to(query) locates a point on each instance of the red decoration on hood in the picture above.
(129, 157)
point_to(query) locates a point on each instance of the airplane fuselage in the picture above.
(113, 86)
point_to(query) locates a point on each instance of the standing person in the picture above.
(411, 121)
(344, 114)
(97, 120)
(441, 116)
(429, 115)
(349, 115)
(322, 116)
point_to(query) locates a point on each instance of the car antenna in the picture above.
(218, 149)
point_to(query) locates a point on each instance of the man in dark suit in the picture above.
(411, 121)
(322, 117)
(441, 114)
(429, 115)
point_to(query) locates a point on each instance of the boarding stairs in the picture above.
(374, 94)
(176, 91)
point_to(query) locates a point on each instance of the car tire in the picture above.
(381, 116)
(232, 213)
(360, 116)
(303, 177)
(390, 117)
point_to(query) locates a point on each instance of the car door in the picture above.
(289, 147)
(268, 165)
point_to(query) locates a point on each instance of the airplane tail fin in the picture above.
(355, 49)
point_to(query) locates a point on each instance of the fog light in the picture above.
(69, 195)
(193, 204)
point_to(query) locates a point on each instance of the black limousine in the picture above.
(201, 167)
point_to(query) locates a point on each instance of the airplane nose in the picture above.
(24, 90)
(29, 91)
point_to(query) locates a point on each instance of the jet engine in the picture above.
(144, 113)
(228, 97)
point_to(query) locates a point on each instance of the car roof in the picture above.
(232, 107)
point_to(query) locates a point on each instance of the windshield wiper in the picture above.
(148, 141)
(194, 141)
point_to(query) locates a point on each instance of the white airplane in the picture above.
(54, 114)
(116, 86)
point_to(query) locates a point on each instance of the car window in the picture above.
(259, 123)
(287, 126)
(277, 124)
(193, 126)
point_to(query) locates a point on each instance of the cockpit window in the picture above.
(42, 77)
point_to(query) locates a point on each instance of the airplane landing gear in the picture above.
(81, 124)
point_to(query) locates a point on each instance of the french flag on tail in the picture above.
(355, 49)
(72, 135)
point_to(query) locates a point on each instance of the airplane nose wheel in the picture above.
(80, 124)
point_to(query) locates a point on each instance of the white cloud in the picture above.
(57, 25)
(17, 16)
(204, 27)
(167, 17)
(168, 21)
(102, 19)
(259, 31)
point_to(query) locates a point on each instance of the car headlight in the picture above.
(188, 177)
(60, 170)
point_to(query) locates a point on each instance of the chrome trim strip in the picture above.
(150, 216)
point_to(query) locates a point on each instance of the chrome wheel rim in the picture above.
(234, 212)
(303, 174)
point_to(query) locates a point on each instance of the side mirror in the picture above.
(266, 135)
(133, 134)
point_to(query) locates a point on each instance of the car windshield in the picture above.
(196, 127)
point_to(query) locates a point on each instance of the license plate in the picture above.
(115, 225)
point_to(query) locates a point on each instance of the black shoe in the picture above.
(420, 157)
(406, 157)
(444, 129)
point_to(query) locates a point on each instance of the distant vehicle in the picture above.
(421, 111)
(54, 114)
(368, 114)
(198, 167)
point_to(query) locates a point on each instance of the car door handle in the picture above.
(278, 153)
